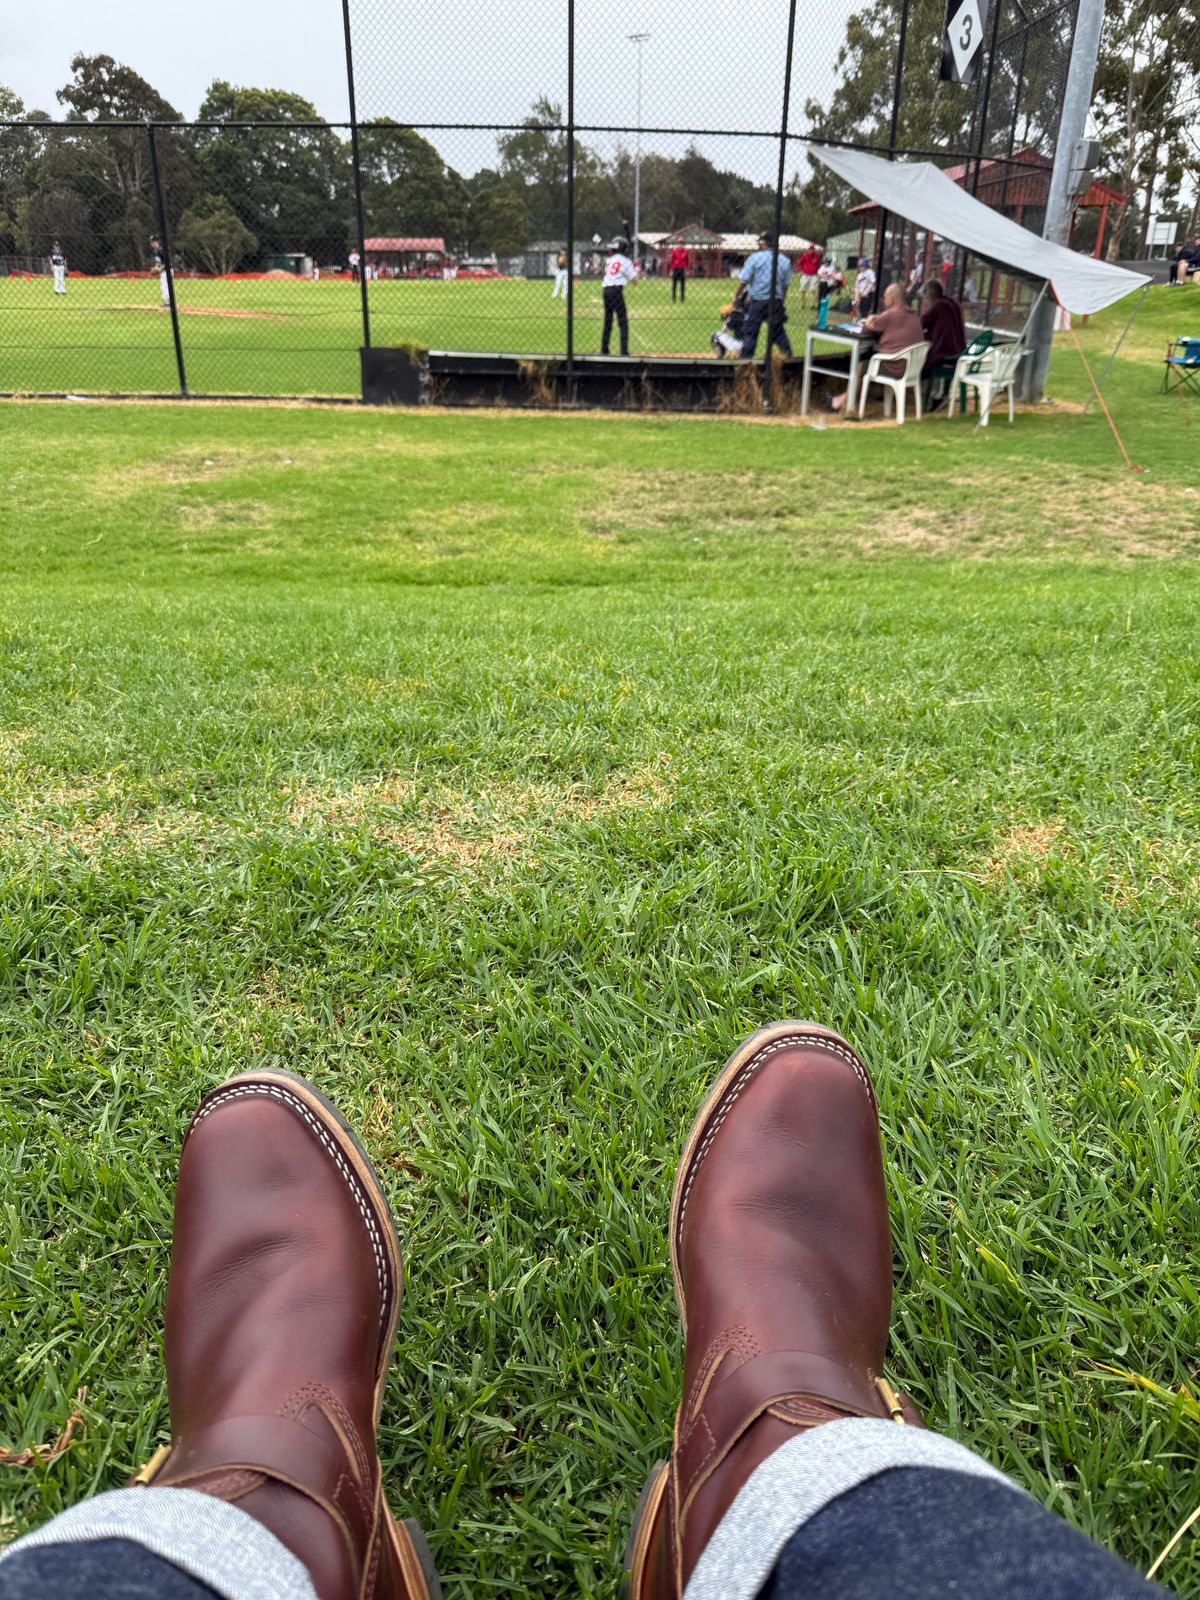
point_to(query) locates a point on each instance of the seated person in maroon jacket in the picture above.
(942, 321)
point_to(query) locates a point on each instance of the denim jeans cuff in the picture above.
(213, 1541)
(800, 1479)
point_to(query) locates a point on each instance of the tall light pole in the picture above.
(638, 39)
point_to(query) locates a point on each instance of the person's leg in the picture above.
(281, 1309)
(177, 1544)
(103, 1569)
(918, 1531)
(623, 320)
(778, 327)
(756, 310)
(792, 1453)
(609, 313)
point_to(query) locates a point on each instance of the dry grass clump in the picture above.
(1026, 848)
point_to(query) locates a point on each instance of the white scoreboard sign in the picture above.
(962, 41)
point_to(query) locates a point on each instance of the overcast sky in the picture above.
(469, 60)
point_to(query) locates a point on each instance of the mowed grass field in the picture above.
(499, 772)
(272, 336)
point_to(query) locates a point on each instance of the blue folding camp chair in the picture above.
(1182, 367)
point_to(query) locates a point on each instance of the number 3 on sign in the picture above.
(964, 36)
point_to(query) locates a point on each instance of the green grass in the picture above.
(112, 335)
(500, 772)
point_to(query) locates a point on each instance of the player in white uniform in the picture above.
(864, 289)
(560, 277)
(618, 271)
(58, 265)
(160, 266)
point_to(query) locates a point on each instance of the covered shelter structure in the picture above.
(929, 198)
(1016, 186)
(404, 257)
(714, 255)
(704, 246)
(925, 196)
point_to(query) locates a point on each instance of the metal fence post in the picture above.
(984, 98)
(775, 290)
(358, 186)
(893, 131)
(164, 234)
(1077, 98)
(570, 374)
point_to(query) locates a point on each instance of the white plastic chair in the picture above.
(989, 375)
(914, 359)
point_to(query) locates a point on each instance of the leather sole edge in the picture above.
(637, 1547)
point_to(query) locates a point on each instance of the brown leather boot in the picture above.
(281, 1312)
(783, 1273)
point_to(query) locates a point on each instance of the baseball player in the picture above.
(160, 266)
(808, 266)
(679, 266)
(618, 271)
(560, 276)
(58, 265)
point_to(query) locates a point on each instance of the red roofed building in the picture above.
(1017, 186)
(406, 257)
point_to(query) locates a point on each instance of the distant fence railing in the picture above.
(259, 256)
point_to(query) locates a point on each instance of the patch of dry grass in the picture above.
(1025, 849)
(473, 829)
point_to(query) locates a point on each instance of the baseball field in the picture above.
(499, 772)
(275, 336)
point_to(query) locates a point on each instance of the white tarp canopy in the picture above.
(920, 193)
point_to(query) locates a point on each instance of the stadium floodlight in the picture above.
(638, 39)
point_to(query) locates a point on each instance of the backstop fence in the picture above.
(257, 254)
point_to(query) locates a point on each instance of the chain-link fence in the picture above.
(491, 157)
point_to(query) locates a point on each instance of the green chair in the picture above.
(945, 369)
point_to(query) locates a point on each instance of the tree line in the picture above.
(1145, 104)
(238, 197)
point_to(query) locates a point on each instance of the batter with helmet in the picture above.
(618, 271)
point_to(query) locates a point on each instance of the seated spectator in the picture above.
(896, 327)
(1187, 261)
(942, 321)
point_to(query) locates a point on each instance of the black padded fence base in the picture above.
(537, 382)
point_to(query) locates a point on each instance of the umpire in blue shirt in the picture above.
(764, 300)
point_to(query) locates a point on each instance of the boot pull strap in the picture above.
(278, 1448)
(733, 1403)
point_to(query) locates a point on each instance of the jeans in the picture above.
(614, 306)
(103, 1569)
(866, 1510)
(756, 315)
(679, 279)
(175, 1543)
(858, 1510)
(920, 1532)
